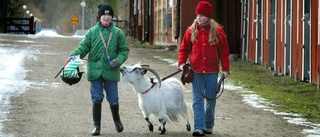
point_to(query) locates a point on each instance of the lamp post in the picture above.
(24, 15)
(83, 4)
(27, 13)
(24, 8)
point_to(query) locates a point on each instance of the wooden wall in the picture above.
(283, 35)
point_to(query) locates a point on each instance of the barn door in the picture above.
(307, 40)
(288, 37)
(259, 36)
(272, 35)
(245, 22)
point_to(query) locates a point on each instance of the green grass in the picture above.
(289, 95)
(138, 44)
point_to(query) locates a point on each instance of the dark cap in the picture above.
(105, 8)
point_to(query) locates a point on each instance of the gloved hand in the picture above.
(113, 63)
(225, 73)
(181, 66)
(71, 58)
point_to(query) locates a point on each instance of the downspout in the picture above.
(318, 78)
(178, 21)
(149, 20)
(135, 13)
(147, 31)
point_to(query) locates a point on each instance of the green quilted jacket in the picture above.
(92, 45)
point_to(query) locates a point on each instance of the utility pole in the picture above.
(83, 4)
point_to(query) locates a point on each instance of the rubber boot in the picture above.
(96, 113)
(116, 117)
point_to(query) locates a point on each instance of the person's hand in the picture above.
(71, 58)
(181, 66)
(225, 73)
(113, 63)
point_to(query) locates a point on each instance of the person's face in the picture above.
(202, 20)
(105, 19)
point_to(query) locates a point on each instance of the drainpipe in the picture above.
(296, 76)
(318, 79)
(147, 18)
(178, 21)
(136, 14)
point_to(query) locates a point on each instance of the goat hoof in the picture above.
(188, 127)
(150, 128)
(162, 131)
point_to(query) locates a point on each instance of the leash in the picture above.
(153, 83)
(174, 73)
(219, 84)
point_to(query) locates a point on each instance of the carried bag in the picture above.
(187, 74)
(70, 72)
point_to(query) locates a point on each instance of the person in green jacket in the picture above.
(106, 47)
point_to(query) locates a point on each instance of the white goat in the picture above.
(163, 99)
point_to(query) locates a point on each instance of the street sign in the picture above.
(74, 19)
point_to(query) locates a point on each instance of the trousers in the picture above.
(204, 100)
(110, 87)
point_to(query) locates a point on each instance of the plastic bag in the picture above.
(70, 70)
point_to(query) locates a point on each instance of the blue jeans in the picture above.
(204, 85)
(110, 87)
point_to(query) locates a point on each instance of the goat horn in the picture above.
(154, 72)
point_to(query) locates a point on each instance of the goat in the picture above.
(164, 99)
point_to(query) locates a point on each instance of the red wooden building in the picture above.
(163, 22)
(283, 35)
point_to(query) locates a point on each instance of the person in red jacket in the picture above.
(205, 46)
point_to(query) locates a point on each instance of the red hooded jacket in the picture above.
(203, 57)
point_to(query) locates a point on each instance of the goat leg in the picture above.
(188, 126)
(162, 127)
(150, 126)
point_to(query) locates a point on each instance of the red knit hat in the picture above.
(204, 8)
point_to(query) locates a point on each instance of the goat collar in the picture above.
(149, 88)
